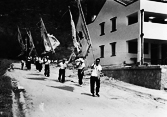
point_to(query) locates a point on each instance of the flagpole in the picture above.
(47, 35)
(20, 42)
(82, 15)
(71, 56)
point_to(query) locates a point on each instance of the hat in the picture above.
(98, 59)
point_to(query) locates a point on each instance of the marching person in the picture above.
(63, 66)
(22, 64)
(40, 64)
(81, 66)
(37, 63)
(47, 66)
(95, 77)
(29, 63)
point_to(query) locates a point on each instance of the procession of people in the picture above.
(39, 62)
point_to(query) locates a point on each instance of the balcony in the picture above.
(154, 6)
(155, 25)
(155, 31)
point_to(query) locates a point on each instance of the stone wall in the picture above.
(154, 77)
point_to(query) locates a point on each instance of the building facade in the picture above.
(130, 32)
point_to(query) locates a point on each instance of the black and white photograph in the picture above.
(83, 58)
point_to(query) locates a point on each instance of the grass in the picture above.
(5, 90)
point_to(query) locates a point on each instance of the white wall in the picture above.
(155, 31)
(153, 6)
(124, 32)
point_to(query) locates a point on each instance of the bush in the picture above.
(5, 90)
(4, 65)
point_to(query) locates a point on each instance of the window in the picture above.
(102, 28)
(133, 18)
(132, 47)
(113, 49)
(101, 51)
(146, 48)
(113, 21)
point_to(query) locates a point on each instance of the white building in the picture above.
(125, 29)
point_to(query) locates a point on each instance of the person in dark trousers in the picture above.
(63, 66)
(47, 66)
(22, 64)
(29, 63)
(95, 77)
(37, 63)
(80, 66)
(40, 64)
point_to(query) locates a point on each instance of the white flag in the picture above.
(45, 37)
(53, 40)
(75, 42)
(83, 33)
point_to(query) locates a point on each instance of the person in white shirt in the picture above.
(95, 77)
(80, 66)
(37, 63)
(63, 66)
(40, 64)
(47, 66)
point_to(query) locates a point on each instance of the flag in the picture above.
(53, 40)
(26, 44)
(75, 42)
(45, 38)
(83, 33)
(31, 43)
(21, 43)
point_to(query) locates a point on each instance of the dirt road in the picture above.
(46, 97)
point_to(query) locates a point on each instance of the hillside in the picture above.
(26, 15)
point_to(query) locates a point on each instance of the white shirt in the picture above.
(62, 65)
(22, 61)
(40, 61)
(47, 62)
(81, 66)
(96, 70)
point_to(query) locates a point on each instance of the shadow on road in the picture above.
(36, 74)
(88, 94)
(37, 78)
(67, 88)
(17, 68)
(53, 80)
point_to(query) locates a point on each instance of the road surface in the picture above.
(46, 97)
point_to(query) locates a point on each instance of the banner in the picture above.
(83, 33)
(45, 38)
(31, 43)
(53, 40)
(75, 42)
(21, 43)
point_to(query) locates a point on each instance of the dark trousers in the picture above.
(61, 77)
(37, 65)
(22, 66)
(94, 80)
(47, 71)
(80, 76)
(28, 65)
(40, 67)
